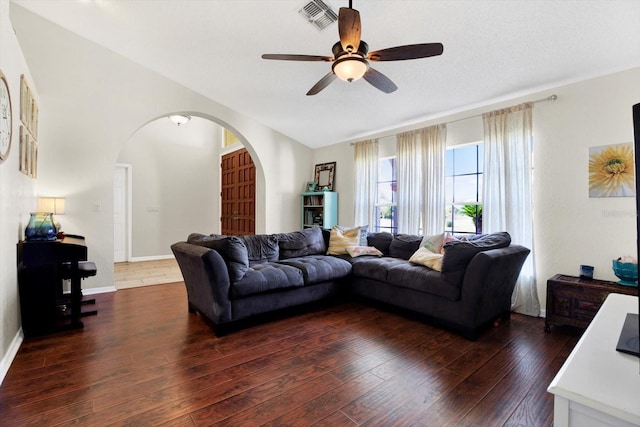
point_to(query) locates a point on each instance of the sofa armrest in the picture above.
(489, 281)
(206, 278)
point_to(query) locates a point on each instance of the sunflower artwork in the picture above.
(611, 171)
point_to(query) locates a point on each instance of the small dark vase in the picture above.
(40, 227)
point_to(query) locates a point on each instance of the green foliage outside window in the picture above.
(475, 212)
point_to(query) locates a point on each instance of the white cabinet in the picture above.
(597, 385)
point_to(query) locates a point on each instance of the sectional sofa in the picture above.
(462, 285)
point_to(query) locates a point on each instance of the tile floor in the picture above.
(145, 273)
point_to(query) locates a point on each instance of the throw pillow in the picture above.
(356, 251)
(434, 243)
(449, 238)
(339, 240)
(424, 256)
(364, 230)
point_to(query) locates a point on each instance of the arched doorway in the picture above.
(176, 183)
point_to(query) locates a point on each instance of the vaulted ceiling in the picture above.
(493, 49)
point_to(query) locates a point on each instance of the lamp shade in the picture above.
(179, 119)
(350, 68)
(54, 205)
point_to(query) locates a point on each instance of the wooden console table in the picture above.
(572, 301)
(597, 385)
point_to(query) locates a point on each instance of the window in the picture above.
(463, 188)
(386, 204)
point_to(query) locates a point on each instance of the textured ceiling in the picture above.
(492, 49)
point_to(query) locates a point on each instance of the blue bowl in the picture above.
(626, 272)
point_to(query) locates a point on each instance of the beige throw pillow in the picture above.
(339, 240)
(424, 256)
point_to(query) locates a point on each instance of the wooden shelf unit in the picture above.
(319, 209)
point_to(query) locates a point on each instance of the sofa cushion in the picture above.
(199, 238)
(458, 253)
(373, 268)
(261, 248)
(232, 249)
(301, 243)
(404, 245)
(340, 239)
(381, 240)
(419, 278)
(266, 277)
(319, 268)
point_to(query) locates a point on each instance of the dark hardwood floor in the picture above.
(144, 360)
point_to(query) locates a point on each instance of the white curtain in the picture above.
(366, 164)
(409, 177)
(507, 202)
(433, 142)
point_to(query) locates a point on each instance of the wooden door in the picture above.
(238, 195)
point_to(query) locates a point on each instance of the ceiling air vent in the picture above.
(319, 14)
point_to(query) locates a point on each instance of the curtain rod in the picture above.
(548, 98)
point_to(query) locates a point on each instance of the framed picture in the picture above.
(311, 186)
(33, 173)
(24, 142)
(28, 109)
(324, 176)
(28, 153)
(611, 171)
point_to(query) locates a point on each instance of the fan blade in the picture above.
(379, 80)
(349, 29)
(285, 57)
(324, 82)
(410, 51)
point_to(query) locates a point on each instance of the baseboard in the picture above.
(101, 290)
(151, 258)
(6, 361)
(142, 285)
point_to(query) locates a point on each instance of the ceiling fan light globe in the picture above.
(350, 68)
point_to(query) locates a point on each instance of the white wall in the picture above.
(92, 101)
(343, 182)
(570, 228)
(175, 183)
(16, 196)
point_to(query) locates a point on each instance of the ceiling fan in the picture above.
(351, 55)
